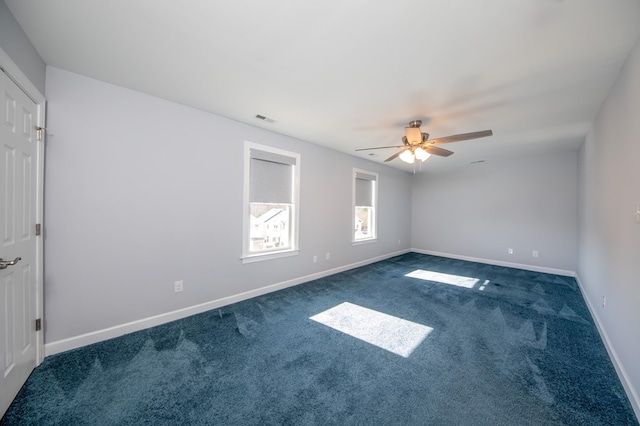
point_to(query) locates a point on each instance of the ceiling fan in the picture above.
(418, 145)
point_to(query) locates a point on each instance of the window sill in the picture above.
(269, 256)
(363, 241)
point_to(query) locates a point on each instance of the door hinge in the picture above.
(38, 324)
(40, 133)
(38, 229)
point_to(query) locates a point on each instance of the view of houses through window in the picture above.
(269, 226)
(364, 218)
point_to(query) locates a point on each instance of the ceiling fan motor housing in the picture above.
(425, 138)
(413, 136)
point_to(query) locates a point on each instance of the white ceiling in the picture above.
(352, 73)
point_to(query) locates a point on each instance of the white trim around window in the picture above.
(364, 210)
(271, 195)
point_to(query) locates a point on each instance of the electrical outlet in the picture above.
(510, 251)
(315, 259)
(535, 253)
(604, 302)
(327, 256)
(178, 286)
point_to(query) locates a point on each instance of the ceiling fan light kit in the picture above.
(418, 145)
(407, 156)
(421, 154)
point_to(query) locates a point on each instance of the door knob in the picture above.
(5, 263)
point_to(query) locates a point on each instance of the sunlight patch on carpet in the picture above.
(457, 280)
(390, 333)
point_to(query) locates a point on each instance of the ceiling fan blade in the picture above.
(434, 150)
(394, 156)
(461, 137)
(380, 147)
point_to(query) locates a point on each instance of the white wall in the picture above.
(609, 236)
(141, 192)
(481, 210)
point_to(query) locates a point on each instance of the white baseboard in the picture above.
(632, 394)
(500, 263)
(122, 329)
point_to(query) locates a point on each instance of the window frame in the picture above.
(247, 255)
(374, 195)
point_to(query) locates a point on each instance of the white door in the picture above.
(18, 215)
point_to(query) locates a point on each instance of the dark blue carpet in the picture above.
(515, 348)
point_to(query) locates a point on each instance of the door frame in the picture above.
(22, 81)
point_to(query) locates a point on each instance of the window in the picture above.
(365, 194)
(271, 191)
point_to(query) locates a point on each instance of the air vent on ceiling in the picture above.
(477, 162)
(267, 119)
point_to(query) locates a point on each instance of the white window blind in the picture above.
(364, 189)
(271, 177)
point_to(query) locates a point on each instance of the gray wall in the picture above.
(16, 44)
(481, 210)
(609, 236)
(141, 192)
